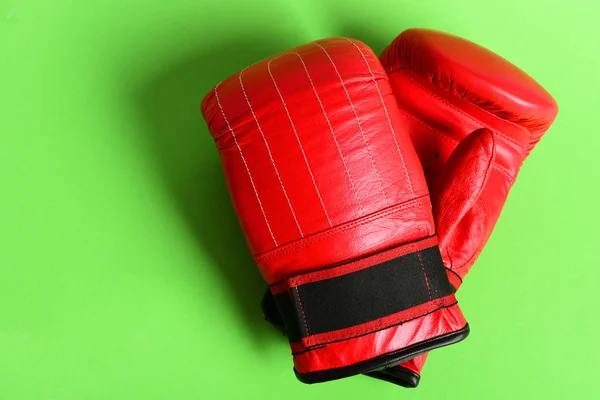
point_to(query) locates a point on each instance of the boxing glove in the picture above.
(473, 118)
(335, 208)
(471, 89)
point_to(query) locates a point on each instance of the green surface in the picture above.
(123, 273)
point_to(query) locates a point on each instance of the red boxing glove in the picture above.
(335, 208)
(473, 117)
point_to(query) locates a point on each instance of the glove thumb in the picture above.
(455, 195)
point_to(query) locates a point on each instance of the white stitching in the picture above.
(332, 133)
(386, 114)
(269, 151)
(357, 121)
(245, 164)
(297, 137)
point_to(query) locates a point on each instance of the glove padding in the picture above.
(335, 208)
(473, 118)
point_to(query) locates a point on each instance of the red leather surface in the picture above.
(405, 222)
(339, 354)
(473, 118)
(317, 130)
(373, 328)
(321, 171)
(475, 74)
(354, 266)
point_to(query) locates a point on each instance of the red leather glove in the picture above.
(473, 118)
(448, 87)
(335, 208)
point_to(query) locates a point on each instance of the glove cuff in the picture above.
(370, 313)
(407, 377)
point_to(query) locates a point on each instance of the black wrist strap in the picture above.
(364, 295)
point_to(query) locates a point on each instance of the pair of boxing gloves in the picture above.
(366, 188)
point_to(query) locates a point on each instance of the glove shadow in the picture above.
(188, 166)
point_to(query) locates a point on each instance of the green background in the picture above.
(123, 273)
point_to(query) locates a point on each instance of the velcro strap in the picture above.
(363, 296)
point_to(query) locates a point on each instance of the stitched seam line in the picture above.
(377, 330)
(378, 258)
(301, 303)
(386, 114)
(359, 123)
(245, 164)
(424, 275)
(296, 134)
(332, 134)
(269, 152)
(332, 232)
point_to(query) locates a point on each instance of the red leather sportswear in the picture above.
(473, 117)
(335, 208)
